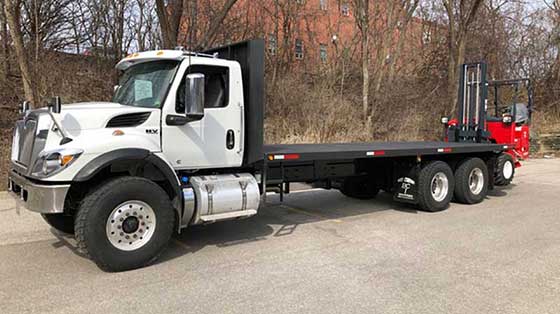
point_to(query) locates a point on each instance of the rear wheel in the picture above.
(504, 170)
(61, 222)
(471, 181)
(359, 187)
(435, 186)
(124, 224)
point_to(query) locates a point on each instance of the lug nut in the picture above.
(121, 234)
(140, 230)
(118, 227)
(127, 237)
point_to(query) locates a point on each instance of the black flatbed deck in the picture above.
(309, 152)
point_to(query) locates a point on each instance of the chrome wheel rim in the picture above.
(508, 170)
(131, 225)
(439, 186)
(476, 181)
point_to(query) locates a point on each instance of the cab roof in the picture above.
(140, 57)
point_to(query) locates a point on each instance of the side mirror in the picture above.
(24, 106)
(56, 105)
(194, 96)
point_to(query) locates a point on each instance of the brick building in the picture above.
(312, 33)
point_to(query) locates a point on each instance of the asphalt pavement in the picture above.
(318, 252)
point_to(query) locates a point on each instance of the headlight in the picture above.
(51, 162)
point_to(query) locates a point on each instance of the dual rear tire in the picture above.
(362, 188)
(438, 184)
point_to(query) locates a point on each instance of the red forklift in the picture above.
(496, 112)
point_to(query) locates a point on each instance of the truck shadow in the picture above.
(501, 191)
(279, 219)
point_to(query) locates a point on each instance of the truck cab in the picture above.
(176, 119)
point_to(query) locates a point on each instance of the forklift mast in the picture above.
(472, 105)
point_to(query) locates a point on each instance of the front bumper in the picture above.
(40, 198)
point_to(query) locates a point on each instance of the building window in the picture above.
(426, 37)
(345, 9)
(323, 5)
(323, 52)
(299, 49)
(272, 44)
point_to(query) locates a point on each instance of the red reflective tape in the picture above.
(291, 156)
(376, 153)
(445, 150)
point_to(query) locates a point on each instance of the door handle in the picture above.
(230, 139)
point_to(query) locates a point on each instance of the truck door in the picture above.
(215, 140)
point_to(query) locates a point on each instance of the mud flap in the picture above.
(406, 189)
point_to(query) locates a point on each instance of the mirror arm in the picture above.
(173, 119)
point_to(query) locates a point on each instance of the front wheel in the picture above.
(125, 223)
(504, 170)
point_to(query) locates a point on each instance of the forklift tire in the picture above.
(504, 170)
(471, 181)
(61, 222)
(125, 223)
(435, 186)
(359, 187)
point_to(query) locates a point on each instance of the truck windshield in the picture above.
(145, 84)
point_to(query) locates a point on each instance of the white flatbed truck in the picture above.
(181, 144)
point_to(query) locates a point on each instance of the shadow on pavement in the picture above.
(277, 219)
(501, 191)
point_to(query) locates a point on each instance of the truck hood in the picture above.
(94, 115)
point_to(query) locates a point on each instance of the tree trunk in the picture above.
(12, 12)
(5, 42)
(170, 20)
(365, 57)
(215, 24)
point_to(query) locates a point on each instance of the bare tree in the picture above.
(460, 16)
(169, 15)
(5, 41)
(362, 21)
(12, 10)
(172, 13)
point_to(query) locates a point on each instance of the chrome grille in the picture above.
(26, 141)
(29, 139)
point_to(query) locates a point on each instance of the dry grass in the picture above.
(299, 111)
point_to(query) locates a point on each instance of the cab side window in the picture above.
(216, 87)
